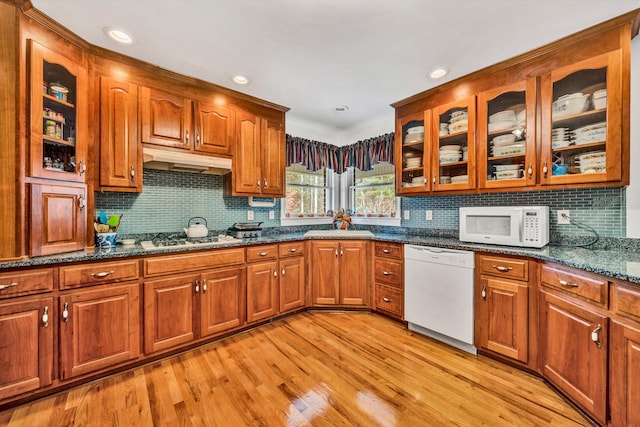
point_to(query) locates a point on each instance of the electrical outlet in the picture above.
(407, 215)
(429, 215)
(561, 217)
(249, 215)
(272, 215)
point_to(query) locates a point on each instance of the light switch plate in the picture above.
(249, 215)
(429, 215)
(272, 215)
(407, 214)
(563, 220)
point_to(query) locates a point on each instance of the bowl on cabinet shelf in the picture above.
(569, 105)
(503, 140)
(501, 125)
(459, 179)
(506, 115)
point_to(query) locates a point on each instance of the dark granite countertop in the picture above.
(623, 264)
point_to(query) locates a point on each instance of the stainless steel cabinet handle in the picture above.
(102, 274)
(45, 316)
(186, 136)
(82, 167)
(484, 292)
(198, 137)
(595, 335)
(8, 285)
(275, 272)
(293, 250)
(283, 271)
(336, 252)
(197, 288)
(265, 184)
(341, 252)
(258, 183)
(133, 173)
(387, 273)
(434, 180)
(502, 268)
(530, 170)
(65, 312)
(567, 284)
(81, 202)
(387, 251)
(264, 253)
(545, 170)
(204, 286)
(386, 299)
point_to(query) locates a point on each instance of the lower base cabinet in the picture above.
(262, 290)
(99, 328)
(625, 373)
(292, 284)
(26, 343)
(339, 273)
(573, 352)
(222, 306)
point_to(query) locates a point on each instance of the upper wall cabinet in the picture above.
(506, 145)
(453, 154)
(214, 128)
(413, 167)
(120, 157)
(58, 123)
(581, 136)
(165, 118)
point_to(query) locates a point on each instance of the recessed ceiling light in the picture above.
(241, 80)
(341, 108)
(119, 35)
(438, 72)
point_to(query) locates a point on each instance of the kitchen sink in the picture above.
(338, 233)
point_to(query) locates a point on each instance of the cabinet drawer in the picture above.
(626, 302)
(388, 250)
(389, 299)
(261, 253)
(27, 282)
(387, 271)
(576, 283)
(95, 273)
(291, 249)
(184, 263)
(504, 267)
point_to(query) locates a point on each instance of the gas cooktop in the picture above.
(166, 242)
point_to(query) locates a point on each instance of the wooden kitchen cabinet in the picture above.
(214, 128)
(165, 118)
(262, 290)
(223, 301)
(413, 172)
(99, 328)
(169, 311)
(507, 145)
(58, 218)
(573, 350)
(606, 137)
(58, 136)
(259, 159)
(502, 306)
(388, 274)
(120, 151)
(292, 283)
(339, 272)
(26, 337)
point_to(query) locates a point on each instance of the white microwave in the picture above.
(526, 226)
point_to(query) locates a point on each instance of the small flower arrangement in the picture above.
(342, 221)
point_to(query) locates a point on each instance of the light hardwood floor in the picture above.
(315, 368)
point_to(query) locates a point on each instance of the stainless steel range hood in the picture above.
(184, 162)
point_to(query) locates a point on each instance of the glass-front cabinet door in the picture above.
(506, 142)
(58, 97)
(453, 155)
(412, 153)
(581, 129)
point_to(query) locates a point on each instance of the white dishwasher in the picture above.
(438, 294)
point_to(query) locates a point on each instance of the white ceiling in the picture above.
(311, 55)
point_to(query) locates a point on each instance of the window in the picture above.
(372, 194)
(307, 194)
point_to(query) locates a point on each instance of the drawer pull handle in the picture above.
(275, 272)
(387, 251)
(197, 289)
(386, 299)
(567, 284)
(133, 173)
(204, 286)
(102, 274)
(484, 292)
(8, 285)
(45, 316)
(65, 312)
(292, 250)
(502, 268)
(264, 253)
(336, 252)
(387, 273)
(283, 271)
(595, 335)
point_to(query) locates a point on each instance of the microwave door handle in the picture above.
(521, 230)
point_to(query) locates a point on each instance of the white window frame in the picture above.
(330, 203)
(348, 189)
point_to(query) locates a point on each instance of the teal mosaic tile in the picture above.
(170, 199)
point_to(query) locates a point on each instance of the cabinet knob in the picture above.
(65, 312)
(545, 170)
(133, 173)
(45, 316)
(595, 335)
(8, 285)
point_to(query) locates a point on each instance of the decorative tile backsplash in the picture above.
(169, 199)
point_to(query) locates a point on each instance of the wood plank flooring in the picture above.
(310, 369)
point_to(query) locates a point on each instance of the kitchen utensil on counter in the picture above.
(196, 228)
(114, 222)
(102, 218)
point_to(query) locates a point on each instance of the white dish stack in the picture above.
(502, 120)
(459, 122)
(414, 134)
(450, 154)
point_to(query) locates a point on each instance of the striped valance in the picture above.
(364, 155)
